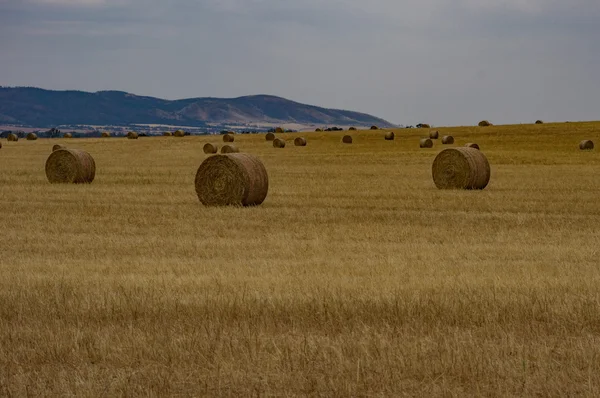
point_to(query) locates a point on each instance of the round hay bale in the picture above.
(539, 122)
(424, 126)
(434, 135)
(167, 134)
(105, 134)
(270, 137)
(352, 129)
(484, 123)
(32, 137)
(56, 147)
(278, 143)
(237, 179)
(300, 141)
(426, 143)
(229, 148)
(179, 133)
(70, 166)
(472, 145)
(67, 135)
(374, 127)
(132, 135)
(318, 130)
(279, 130)
(228, 138)
(347, 139)
(461, 168)
(210, 148)
(447, 139)
(12, 137)
(389, 136)
(586, 145)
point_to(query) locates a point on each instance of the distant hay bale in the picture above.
(132, 135)
(586, 145)
(434, 135)
(270, 137)
(374, 127)
(539, 122)
(228, 138)
(472, 145)
(484, 123)
(179, 133)
(447, 140)
(167, 134)
(347, 139)
(426, 143)
(70, 166)
(461, 168)
(210, 148)
(12, 137)
(105, 134)
(279, 130)
(278, 143)
(32, 137)
(424, 126)
(317, 130)
(300, 141)
(67, 135)
(229, 148)
(389, 136)
(237, 179)
(352, 129)
(56, 147)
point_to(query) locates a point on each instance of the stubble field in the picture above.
(356, 277)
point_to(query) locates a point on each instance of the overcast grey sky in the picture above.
(445, 62)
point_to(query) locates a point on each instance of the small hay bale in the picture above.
(210, 148)
(426, 143)
(12, 137)
(32, 137)
(434, 135)
(237, 179)
(539, 122)
(447, 140)
(279, 130)
(424, 126)
(132, 135)
(347, 139)
(484, 123)
(461, 168)
(278, 143)
(389, 136)
(586, 145)
(56, 147)
(374, 127)
(179, 133)
(270, 137)
(229, 148)
(105, 134)
(352, 129)
(317, 130)
(228, 138)
(300, 141)
(70, 166)
(67, 135)
(472, 145)
(167, 134)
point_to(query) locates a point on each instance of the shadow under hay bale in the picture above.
(461, 168)
(132, 135)
(447, 140)
(229, 148)
(472, 145)
(237, 179)
(270, 137)
(389, 136)
(210, 148)
(426, 143)
(278, 143)
(300, 141)
(586, 145)
(67, 135)
(0, 145)
(347, 139)
(12, 137)
(228, 138)
(484, 123)
(70, 166)
(32, 137)
(56, 147)
(434, 135)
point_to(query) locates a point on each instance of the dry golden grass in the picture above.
(356, 277)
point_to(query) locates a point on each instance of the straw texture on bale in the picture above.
(132, 135)
(484, 123)
(347, 139)
(426, 143)
(210, 148)
(237, 179)
(167, 134)
(179, 133)
(461, 168)
(300, 141)
(228, 138)
(539, 122)
(105, 134)
(70, 166)
(389, 136)
(270, 137)
(32, 137)
(229, 148)
(434, 135)
(447, 139)
(68, 135)
(56, 147)
(278, 143)
(472, 145)
(279, 130)
(12, 137)
(586, 144)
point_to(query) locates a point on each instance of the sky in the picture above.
(443, 62)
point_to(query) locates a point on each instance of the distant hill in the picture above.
(38, 107)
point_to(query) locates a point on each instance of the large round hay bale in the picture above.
(279, 130)
(179, 133)
(132, 135)
(484, 123)
(56, 147)
(32, 137)
(167, 134)
(228, 138)
(434, 135)
(461, 168)
(389, 136)
(229, 148)
(447, 140)
(426, 143)
(539, 122)
(105, 134)
(278, 143)
(70, 166)
(352, 129)
(472, 145)
(300, 141)
(270, 137)
(237, 179)
(586, 145)
(67, 135)
(12, 137)
(210, 148)
(347, 139)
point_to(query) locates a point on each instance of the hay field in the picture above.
(356, 277)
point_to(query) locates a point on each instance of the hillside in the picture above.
(38, 107)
